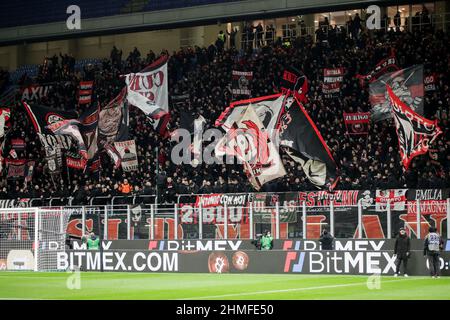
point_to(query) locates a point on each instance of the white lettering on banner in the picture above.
(390, 267)
(309, 245)
(113, 261)
(318, 260)
(373, 265)
(354, 262)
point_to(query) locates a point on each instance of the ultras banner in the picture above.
(241, 82)
(128, 155)
(332, 80)
(85, 92)
(148, 91)
(407, 85)
(415, 133)
(5, 114)
(357, 123)
(267, 262)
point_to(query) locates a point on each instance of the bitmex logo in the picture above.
(339, 262)
(195, 245)
(298, 258)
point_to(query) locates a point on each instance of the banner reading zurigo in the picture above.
(357, 123)
(241, 82)
(128, 155)
(148, 91)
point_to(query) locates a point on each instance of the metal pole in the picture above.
(175, 222)
(200, 221)
(389, 221)
(152, 218)
(418, 218)
(225, 221)
(128, 222)
(19, 221)
(304, 219)
(105, 224)
(251, 219)
(83, 220)
(277, 220)
(360, 228)
(36, 238)
(448, 218)
(332, 217)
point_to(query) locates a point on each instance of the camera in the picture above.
(257, 241)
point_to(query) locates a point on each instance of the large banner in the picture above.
(357, 123)
(361, 261)
(128, 155)
(241, 82)
(407, 85)
(332, 81)
(16, 168)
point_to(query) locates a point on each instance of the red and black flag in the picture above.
(384, 66)
(415, 133)
(42, 117)
(332, 81)
(407, 84)
(294, 81)
(357, 123)
(303, 142)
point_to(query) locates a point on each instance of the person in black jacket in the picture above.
(401, 251)
(326, 240)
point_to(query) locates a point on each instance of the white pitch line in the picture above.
(293, 289)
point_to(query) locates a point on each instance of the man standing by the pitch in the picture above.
(401, 250)
(432, 245)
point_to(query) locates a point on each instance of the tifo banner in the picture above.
(128, 155)
(148, 91)
(384, 66)
(415, 133)
(429, 82)
(332, 80)
(85, 92)
(407, 85)
(295, 81)
(35, 92)
(357, 123)
(241, 82)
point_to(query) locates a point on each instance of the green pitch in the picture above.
(95, 285)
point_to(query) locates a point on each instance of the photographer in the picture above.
(326, 240)
(267, 241)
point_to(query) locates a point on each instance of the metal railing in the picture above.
(222, 221)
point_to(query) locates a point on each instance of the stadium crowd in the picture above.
(365, 162)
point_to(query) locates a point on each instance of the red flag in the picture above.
(415, 133)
